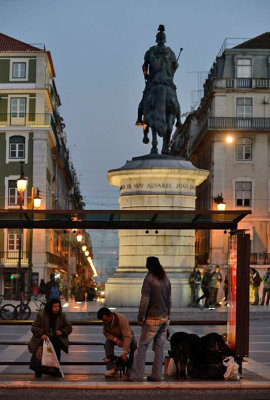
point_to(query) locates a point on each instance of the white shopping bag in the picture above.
(49, 358)
(232, 371)
(170, 368)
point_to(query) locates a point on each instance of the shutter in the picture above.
(32, 109)
(32, 70)
(4, 71)
(3, 108)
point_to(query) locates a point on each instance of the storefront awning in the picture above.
(121, 219)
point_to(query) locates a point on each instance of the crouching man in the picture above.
(117, 331)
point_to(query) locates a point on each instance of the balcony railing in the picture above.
(260, 258)
(21, 119)
(243, 83)
(238, 123)
(57, 260)
(12, 257)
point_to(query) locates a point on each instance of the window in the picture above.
(13, 241)
(243, 194)
(243, 68)
(244, 149)
(244, 107)
(13, 194)
(17, 107)
(16, 147)
(19, 70)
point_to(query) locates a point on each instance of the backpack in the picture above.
(257, 280)
(54, 293)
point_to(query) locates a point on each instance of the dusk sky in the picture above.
(98, 48)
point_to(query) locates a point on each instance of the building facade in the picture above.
(229, 135)
(32, 133)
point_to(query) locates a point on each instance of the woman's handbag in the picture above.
(49, 360)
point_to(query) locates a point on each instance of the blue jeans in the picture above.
(109, 351)
(149, 333)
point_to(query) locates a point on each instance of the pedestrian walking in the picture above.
(255, 281)
(195, 285)
(205, 286)
(117, 331)
(51, 323)
(42, 290)
(266, 287)
(216, 279)
(52, 288)
(153, 316)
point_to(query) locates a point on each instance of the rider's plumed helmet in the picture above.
(161, 36)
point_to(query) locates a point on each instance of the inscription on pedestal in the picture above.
(161, 186)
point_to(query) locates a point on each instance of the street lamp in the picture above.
(84, 247)
(86, 253)
(221, 205)
(37, 200)
(21, 187)
(79, 237)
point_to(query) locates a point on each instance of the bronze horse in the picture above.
(160, 109)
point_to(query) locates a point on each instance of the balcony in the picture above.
(12, 257)
(31, 119)
(56, 260)
(243, 83)
(238, 123)
(259, 258)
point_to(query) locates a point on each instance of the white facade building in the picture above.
(236, 104)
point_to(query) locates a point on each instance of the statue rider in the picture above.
(159, 66)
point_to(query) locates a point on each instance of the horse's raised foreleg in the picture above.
(154, 149)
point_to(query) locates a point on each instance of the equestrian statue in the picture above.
(159, 107)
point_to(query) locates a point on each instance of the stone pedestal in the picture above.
(154, 182)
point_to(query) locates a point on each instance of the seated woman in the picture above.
(50, 323)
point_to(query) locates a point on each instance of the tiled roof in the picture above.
(7, 44)
(259, 42)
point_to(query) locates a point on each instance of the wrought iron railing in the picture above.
(25, 119)
(12, 257)
(57, 260)
(260, 258)
(238, 123)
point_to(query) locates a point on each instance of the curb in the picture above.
(229, 385)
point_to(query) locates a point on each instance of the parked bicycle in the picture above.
(23, 311)
(7, 311)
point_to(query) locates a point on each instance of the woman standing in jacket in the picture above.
(153, 316)
(50, 323)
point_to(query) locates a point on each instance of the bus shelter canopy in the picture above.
(120, 219)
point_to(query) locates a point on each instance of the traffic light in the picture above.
(11, 277)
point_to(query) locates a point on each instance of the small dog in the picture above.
(119, 366)
(183, 348)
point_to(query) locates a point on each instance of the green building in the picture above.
(32, 132)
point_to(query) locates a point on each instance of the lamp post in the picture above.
(21, 187)
(36, 203)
